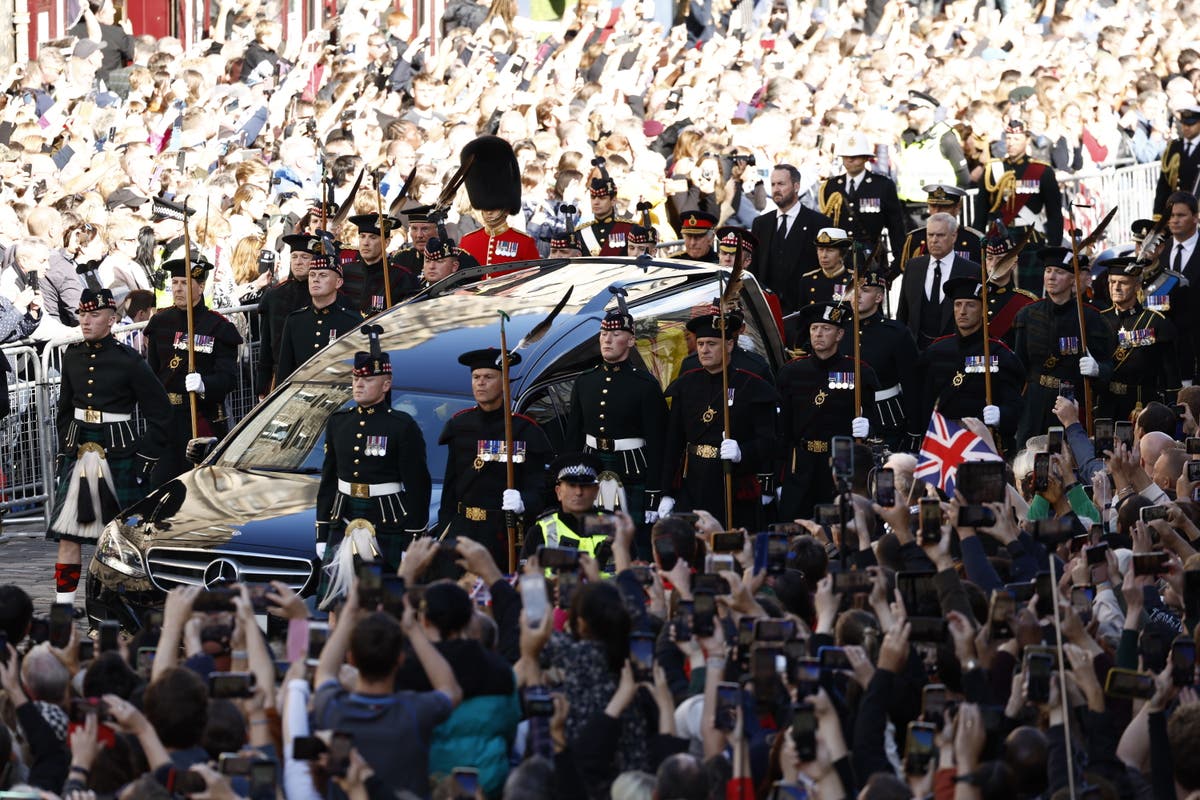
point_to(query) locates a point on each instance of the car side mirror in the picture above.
(199, 448)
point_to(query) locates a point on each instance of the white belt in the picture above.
(91, 415)
(369, 489)
(614, 445)
(887, 394)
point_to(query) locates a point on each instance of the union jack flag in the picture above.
(948, 444)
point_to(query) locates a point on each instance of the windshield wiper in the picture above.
(289, 470)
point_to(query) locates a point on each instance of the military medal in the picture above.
(1068, 345)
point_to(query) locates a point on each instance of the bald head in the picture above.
(44, 676)
(1151, 447)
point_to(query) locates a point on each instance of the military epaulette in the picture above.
(801, 357)
(1026, 292)
(943, 338)
(1043, 163)
(999, 342)
(690, 371)
(587, 224)
(814, 272)
(527, 419)
(969, 229)
(463, 411)
(747, 372)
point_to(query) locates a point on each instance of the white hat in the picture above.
(855, 144)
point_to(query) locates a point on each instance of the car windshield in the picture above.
(287, 433)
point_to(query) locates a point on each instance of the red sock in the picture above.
(66, 577)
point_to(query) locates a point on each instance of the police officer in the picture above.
(817, 403)
(1049, 346)
(618, 413)
(1005, 298)
(604, 234)
(931, 153)
(698, 229)
(862, 202)
(375, 486)
(1145, 362)
(695, 449)
(889, 348)
(576, 487)
(278, 302)
(104, 465)
(1024, 194)
(943, 199)
(215, 346)
(951, 369)
(326, 318)
(363, 285)
(475, 496)
(1181, 161)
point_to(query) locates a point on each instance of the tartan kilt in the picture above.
(124, 470)
(392, 539)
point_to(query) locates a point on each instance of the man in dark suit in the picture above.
(1180, 162)
(1182, 255)
(787, 238)
(923, 307)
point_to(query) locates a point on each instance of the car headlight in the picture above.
(116, 552)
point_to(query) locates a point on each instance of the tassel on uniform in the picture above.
(611, 496)
(79, 513)
(359, 541)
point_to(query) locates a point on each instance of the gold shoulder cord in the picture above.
(1001, 189)
(831, 203)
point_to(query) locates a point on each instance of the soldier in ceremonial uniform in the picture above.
(565, 244)
(103, 464)
(642, 242)
(1023, 193)
(441, 259)
(1048, 345)
(1145, 362)
(1005, 298)
(619, 414)
(280, 301)
(420, 230)
(888, 346)
(604, 234)
(817, 403)
(493, 182)
(313, 327)
(475, 497)
(576, 487)
(739, 357)
(951, 369)
(944, 199)
(830, 281)
(696, 449)
(375, 487)
(729, 240)
(363, 285)
(1181, 161)
(862, 202)
(215, 346)
(698, 229)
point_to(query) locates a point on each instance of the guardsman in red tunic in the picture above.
(494, 185)
(1023, 193)
(1004, 298)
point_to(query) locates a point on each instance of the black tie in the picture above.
(782, 226)
(851, 190)
(935, 291)
(1178, 265)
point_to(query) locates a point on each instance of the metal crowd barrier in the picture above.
(29, 434)
(1129, 189)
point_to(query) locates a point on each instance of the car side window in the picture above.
(549, 406)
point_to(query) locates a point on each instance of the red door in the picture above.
(150, 17)
(43, 23)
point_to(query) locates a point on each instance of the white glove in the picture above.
(321, 550)
(1088, 366)
(666, 506)
(513, 502)
(767, 498)
(991, 415)
(730, 450)
(192, 382)
(651, 517)
(1187, 382)
(860, 428)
